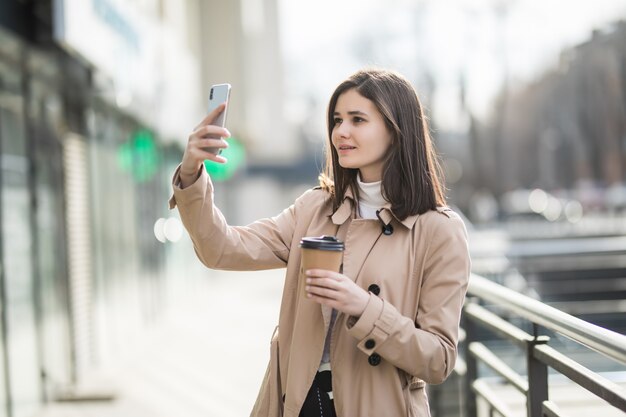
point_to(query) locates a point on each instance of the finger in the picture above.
(211, 131)
(210, 118)
(206, 153)
(210, 156)
(322, 292)
(323, 283)
(322, 300)
(212, 143)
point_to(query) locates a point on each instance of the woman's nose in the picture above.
(343, 129)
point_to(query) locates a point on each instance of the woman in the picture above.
(377, 332)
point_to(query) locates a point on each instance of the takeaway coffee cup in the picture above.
(323, 252)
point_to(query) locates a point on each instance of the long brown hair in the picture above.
(412, 179)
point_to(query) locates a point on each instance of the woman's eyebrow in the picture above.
(352, 113)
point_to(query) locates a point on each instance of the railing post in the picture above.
(537, 376)
(472, 365)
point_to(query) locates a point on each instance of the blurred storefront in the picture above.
(85, 136)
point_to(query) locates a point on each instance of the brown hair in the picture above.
(412, 180)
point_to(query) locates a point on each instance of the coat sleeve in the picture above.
(424, 346)
(264, 244)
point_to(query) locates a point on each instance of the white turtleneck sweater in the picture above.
(370, 198)
(370, 201)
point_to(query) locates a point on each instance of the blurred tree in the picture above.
(566, 129)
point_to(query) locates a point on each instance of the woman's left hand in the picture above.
(337, 291)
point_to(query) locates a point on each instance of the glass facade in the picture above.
(50, 264)
(81, 272)
(17, 255)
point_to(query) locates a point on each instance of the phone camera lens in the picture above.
(211, 95)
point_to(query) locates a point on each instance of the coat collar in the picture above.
(386, 215)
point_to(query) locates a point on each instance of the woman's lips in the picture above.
(345, 149)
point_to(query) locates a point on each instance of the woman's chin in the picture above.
(348, 165)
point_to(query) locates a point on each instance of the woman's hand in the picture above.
(336, 290)
(205, 135)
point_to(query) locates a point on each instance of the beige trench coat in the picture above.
(407, 336)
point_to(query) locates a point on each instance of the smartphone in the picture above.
(219, 93)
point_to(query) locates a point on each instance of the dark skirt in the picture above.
(319, 400)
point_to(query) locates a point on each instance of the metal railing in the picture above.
(540, 356)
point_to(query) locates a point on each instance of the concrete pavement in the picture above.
(206, 358)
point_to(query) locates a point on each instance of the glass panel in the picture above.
(51, 243)
(115, 248)
(17, 259)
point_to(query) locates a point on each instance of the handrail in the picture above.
(591, 381)
(491, 360)
(604, 341)
(482, 388)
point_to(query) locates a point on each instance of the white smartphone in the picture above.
(219, 93)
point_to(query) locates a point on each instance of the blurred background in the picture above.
(102, 300)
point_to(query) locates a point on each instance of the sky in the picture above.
(436, 44)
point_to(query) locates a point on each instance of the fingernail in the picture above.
(227, 131)
(307, 288)
(308, 280)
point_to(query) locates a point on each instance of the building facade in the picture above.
(88, 90)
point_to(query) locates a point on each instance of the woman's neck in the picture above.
(367, 176)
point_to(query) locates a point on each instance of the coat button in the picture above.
(374, 289)
(374, 359)
(370, 343)
(387, 229)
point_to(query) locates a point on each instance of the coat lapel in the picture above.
(359, 235)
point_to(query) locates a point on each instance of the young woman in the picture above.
(363, 342)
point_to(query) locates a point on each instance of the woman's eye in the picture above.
(358, 120)
(337, 120)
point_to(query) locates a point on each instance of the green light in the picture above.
(139, 155)
(236, 155)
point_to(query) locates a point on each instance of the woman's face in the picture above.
(360, 135)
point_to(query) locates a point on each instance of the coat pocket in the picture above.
(269, 402)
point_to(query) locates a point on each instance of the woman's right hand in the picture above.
(205, 135)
